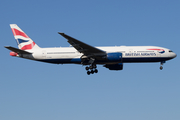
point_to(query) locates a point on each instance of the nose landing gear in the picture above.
(91, 69)
(161, 67)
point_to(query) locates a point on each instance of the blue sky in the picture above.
(34, 90)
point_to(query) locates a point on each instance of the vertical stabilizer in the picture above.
(24, 42)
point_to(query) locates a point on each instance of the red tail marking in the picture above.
(17, 32)
(29, 46)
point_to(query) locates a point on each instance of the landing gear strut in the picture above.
(91, 69)
(161, 67)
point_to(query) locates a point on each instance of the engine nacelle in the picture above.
(118, 66)
(114, 57)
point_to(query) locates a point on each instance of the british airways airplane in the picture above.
(84, 54)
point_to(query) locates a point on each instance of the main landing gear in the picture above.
(161, 67)
(91, 69)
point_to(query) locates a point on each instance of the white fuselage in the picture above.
(63, 55)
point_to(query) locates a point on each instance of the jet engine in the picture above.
(114, 57)
(118, 66)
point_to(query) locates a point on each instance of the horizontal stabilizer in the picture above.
(19, 51)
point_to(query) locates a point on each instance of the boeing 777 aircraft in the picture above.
(84, 54)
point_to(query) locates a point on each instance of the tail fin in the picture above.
(24, 42)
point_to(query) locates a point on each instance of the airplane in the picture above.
(111, 57)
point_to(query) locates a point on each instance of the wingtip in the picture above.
(7, 46)
(61, 33)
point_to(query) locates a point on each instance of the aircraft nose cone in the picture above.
(174, 55)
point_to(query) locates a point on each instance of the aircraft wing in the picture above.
(83, 47)
(17, 50)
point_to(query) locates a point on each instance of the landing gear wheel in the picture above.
(91, 67)
(92, 71)
(161, 67)
(96, 71)
(87, 68)
(88, 72)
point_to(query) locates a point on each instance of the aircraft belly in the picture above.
(62, 61)
(144, 59)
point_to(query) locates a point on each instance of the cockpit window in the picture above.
(170, 51)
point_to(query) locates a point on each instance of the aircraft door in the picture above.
(44, 54)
